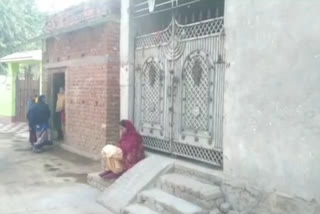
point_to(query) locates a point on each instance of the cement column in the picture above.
(14, 72)
(40, 77)
(127, 61)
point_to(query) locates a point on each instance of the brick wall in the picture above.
(113, 81)
(90, 58)
(82, 13)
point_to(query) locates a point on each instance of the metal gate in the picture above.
(179, 81)
(27, 85)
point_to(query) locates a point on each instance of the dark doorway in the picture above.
(57, 83)
(27, 86)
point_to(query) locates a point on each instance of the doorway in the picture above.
(58, 82)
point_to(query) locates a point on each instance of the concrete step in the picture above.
(191, 190)
(163, 202)
(138, 209)
(96, 181)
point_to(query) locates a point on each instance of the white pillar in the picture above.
(127, 61)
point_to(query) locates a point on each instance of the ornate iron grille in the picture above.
(195, 89)
(183, 93)
(201, 154)
(198, 30)
(152, 91)
(201, 29)
(157, 144)
(154, 39)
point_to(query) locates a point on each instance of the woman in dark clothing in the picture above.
(32, 132)
(39, 116)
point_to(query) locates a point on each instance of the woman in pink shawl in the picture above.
(132, 150)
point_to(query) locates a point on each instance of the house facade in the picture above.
(20, 84)
(81, 55)
(229, 85)
(233, 84)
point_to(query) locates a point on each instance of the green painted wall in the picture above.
(7, 92)
(8, 88)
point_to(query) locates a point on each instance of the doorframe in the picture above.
(50, 92)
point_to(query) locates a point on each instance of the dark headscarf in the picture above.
(39, 113)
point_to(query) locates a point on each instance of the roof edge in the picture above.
(95, 22)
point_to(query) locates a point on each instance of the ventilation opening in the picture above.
(187, 12)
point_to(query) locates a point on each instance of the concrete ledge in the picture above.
(96, 181)
(79, 152)
(88, 60)
(125, 189)
(207, 175)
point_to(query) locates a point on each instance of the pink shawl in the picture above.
(132, 146)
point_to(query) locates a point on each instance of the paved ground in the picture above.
(48, 183)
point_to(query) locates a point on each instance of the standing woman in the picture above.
(60, 109)
(130, 151)
(41, 113)
(32, 129)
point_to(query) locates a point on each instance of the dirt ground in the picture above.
(47, 183)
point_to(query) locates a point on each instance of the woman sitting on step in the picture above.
(117, 160)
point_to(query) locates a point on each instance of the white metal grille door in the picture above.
(179, 81)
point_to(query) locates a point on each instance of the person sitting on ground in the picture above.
(39, 114)
(117, 160)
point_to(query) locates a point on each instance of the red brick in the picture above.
(92, 90)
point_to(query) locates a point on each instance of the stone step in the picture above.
(96, 181)
(138, 209)
(190, 189)
(163, 202)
